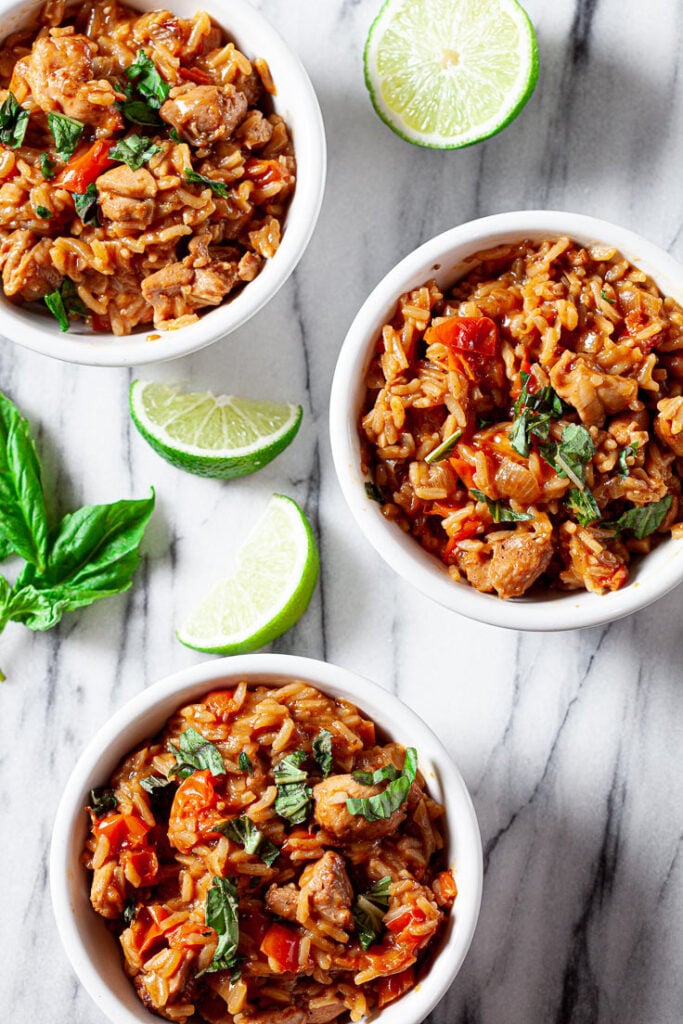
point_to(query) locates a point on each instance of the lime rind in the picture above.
(275, 576)
(412, 93)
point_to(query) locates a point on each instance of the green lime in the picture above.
(212, 435)
(277, 569)
(448, 73)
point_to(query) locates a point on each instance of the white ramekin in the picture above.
(91, 947)
(297, 103)
(443, 258)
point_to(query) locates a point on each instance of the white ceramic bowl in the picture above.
(94, 951)
(442, 258)
(297, 103)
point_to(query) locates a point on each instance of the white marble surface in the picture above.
(571, 744)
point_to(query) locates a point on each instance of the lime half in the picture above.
(277, 569)
(448, 73)
(221, 436)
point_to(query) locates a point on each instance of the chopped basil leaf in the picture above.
(244, 762)
(583, 505)
(71, 299)
(606, 297)
(151, 783)
(219, 188)
(147, 80)
(101, 801)
(13, 122)
(294, 800)
(222, 909)
(139, 112)
(384, 804)
(387, 772)
(571, 455)
(368, 911)
(46, 167)
(501, 512)
(626, 453)
(445, 448)
(322, 751)
(374, 492)
(135, 150)
(55, 304)
(66, 132)
(43, 212)
(533, 413)
(195, 754)
(129, 910)
(643, 520)
(244, 832)
(173, 135)
(86, 204)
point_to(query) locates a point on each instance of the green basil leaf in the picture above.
(501, 512)
(194, 753)
(379, 893)
(46, 167)
(245, 833)
(374, 492)
(147, 80)
(322, 751)
(152, 783)
(6, 547)
(533, 413)
(71, 299)
(101, 801)
(66, 132)
(43, 212)
(55, 304)
(34, 608)
(134, 150)
(129, 911)
(643, 520)
(13, 122)
(444, 449)
(219, 188)
(23, 518)
(222, 914)
(626, 453)
(383, 805)
(288, 770)
(139, 112)
(368, 911)
(583, 506)
(294, 802)
(86, 204)
(173, 135)
(388, 771)
(244, 763)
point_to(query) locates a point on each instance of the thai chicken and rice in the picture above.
(268, 859)
(143, 174)
(527, 426)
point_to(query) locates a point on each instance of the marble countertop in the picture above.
(570, 743)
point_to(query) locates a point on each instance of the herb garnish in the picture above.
(294, 800)
(384, 804)
(386, 772)
(66, 132)
(86, 204)
(43, 212)
(322, 751)
(605, 296)
(219, 188)
(570, 456)
(443, 450)
(46, 167)
(134, 150)
(644, 519)
(152, 783)
(65, 302)
(173, 135)
(626, 453)
(147, 80)
(221, 914)
(533, 413)
(374, 492)
(244, 763)
(583, 505)
(13, 122)
(55, 304)
(244, 832)
(101, 801)
(368, 911)
(195, 754)
(500, 512)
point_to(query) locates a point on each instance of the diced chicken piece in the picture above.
(476, 565)
(255, 131)
(332, 814)
(107, 892)
(329, 890)
(283, 900)
(59, 74)
(127, 197)
(669, 423)
(324, 1014)
(179, 288)
(589, 563)
(592, 392)
(27, 268)
(204, 114)
(518, 561)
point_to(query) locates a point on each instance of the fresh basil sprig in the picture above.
(23, 517)
(101, 801)
(584, 507)
(13, 122)
(643, 519)
(383, 805)
(147, 80)
(64, 303)
(387, 772)
(134, 150)
(628, 452)
(533, 413)
(443, 450)
(294, 800)
(570, 456)
(86, 204)
(66, 132)
(368, 911)
(153, 783)
(244, 832)
(244, 763)
(195, 754)
(222, 914)
(46, 168)
(219, 188)
(322, 751)
(500, 512)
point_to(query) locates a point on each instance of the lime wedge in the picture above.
(277, 569)
(448, 73)
(220, 436)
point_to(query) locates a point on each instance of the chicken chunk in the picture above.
(332, 814)
(669, 423)
(517, 563)
(204, 114)
(27, 268)
(283, 900)
(127, 197)
(180, 288)
(476, 565)
(329, 890)
(592, 392)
